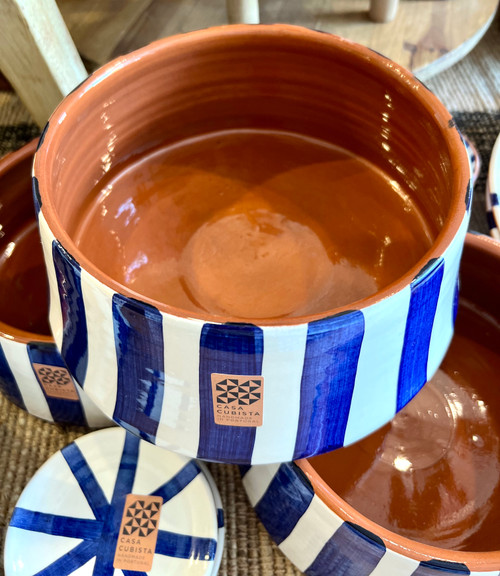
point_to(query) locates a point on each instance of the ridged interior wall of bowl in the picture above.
(296, 386)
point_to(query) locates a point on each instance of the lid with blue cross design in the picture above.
(110, 504)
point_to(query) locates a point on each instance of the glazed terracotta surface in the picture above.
(216, 204)
(23, 280)
(254, 187)
(252, 224)
(436, 467)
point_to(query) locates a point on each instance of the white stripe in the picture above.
(395, 564)
(94, 417)
(284, 350)
(494, 573)
(55, 315)
(179, 427)
(102, 370)
(34, 399)
(375, 392)
(256, 481)
(313, 530)
(442, 329)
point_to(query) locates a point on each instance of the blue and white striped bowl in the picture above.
(323, 535)
(324, 382)
(32, 373)
(71, 517)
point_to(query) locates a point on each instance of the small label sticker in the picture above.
(135, 548)
(238, 400)
(56, 381)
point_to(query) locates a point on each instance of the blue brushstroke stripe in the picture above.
(177, 484)
(220, 518)
(227, 349)
(491, 220)
(8, 383)
(423, 303)
(331, 359)
(63, 411)
(71, 561)
(347, 552)
(37, 201)
(187, 547)
(74, 347)
(123, 486)
(494, 199)
(278, 514)
(141, 379)
(86, 480)
(440, 567)
(55, 525)
(456, 300)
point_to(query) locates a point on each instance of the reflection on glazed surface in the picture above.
(252, 224)
(433, 473)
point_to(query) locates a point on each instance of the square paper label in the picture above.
(237, 400)
(135, 548)
(56, 381)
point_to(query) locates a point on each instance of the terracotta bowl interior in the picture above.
(431, 478)
(23, 281)
(255, 78)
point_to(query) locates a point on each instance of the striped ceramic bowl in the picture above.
(226, 389)
(421, 497)
(32, 372)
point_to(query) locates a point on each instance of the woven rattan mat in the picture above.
(26, 443)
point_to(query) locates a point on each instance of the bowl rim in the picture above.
(9, 331)
(476, 561)
(68, 108)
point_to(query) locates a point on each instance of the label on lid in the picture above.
(136, 543)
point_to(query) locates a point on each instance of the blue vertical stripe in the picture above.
(331, 359)
(440, 568)
(36, 194)
(348, 552)
(124, 484)
(74, 345)
(423, 303)
(8, 384)
(64, 411)
(139, 351)
(278, 514)
(227, 349)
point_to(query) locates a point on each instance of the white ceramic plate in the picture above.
(493, 192)
(112, 504)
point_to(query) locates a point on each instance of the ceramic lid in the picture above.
(113, 504)
(493, 192)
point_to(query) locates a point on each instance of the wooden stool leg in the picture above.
(243, 11)
(37, 55)
(383, 10)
